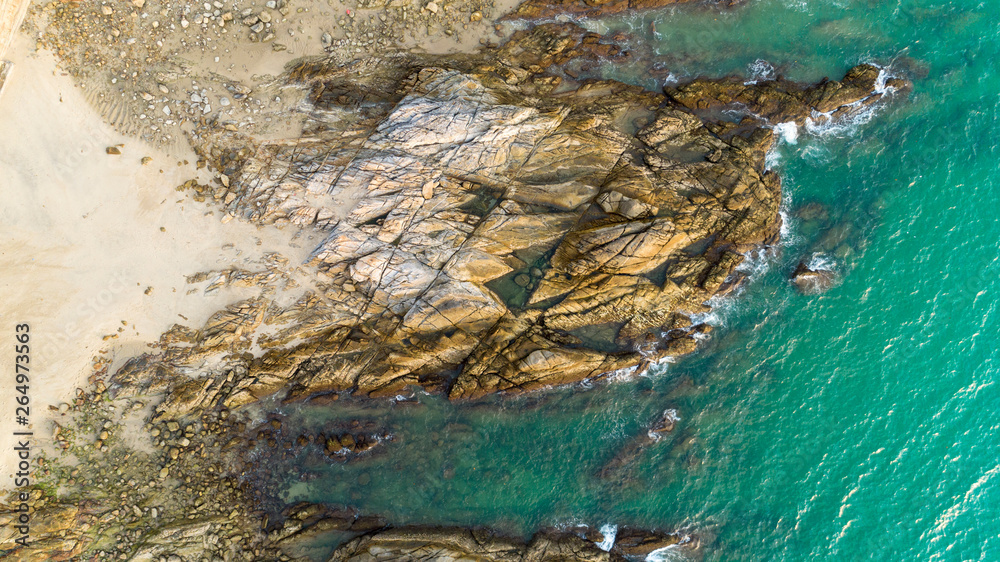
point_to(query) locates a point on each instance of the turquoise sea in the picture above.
(860, 424)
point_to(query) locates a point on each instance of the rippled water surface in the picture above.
(860, 424)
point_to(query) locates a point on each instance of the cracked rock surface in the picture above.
(449, 544)
(538, 9)
(483, 227)
(488, 228)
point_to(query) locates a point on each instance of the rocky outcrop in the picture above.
(485, 228)
(449, 544)
(813, 280)
(488, 228)
(24, 532)
(781, 100)
(544, 9)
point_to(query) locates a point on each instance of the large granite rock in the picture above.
(488, 228)
(543, 9)
(485, 228)
(450, 544)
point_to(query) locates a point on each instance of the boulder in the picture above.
(813, 281)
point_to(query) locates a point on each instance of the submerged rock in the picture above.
(813, 281)
(626, 456)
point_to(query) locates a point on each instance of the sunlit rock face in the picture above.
(488, 228)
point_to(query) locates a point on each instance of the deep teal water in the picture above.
(860, 424)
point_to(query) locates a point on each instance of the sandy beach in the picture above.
(97, 245)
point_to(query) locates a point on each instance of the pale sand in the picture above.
(82, 241)
(11, 15)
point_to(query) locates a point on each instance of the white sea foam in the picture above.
(666, 554)
(624, 374)
(609, 532)
(772, 159)
(799, 5)
(785, 230)
(668, 414)
(759, 70)
(755, 264)
(720, 306)
(788, 236)
(822, 124)
(881, 80)
(789, 132)
(820, 261)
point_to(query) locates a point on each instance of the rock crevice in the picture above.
(487, 228)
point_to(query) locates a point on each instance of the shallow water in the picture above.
(857, 424)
